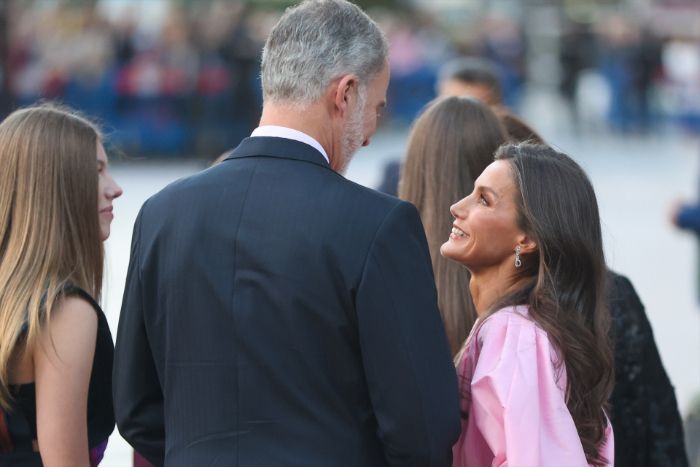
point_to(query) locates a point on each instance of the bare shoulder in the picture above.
(63, 363)
(75, 312)
(72, 329)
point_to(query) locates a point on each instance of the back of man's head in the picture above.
(473, 77)
(314, 43)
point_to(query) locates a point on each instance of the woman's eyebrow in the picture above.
(488, 189)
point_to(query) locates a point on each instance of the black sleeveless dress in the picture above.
(18, 425)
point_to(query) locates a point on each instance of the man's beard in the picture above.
(352, 136)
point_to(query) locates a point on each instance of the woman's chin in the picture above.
(104, 233)
(453, 252)
(447, 250)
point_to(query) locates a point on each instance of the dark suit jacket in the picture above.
(277, 314)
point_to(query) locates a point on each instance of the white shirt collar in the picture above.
(289, 133)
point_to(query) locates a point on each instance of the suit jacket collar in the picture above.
(283, 148)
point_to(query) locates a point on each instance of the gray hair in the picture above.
(314, 43)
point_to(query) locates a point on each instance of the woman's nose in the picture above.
(458, 209)
(114, 190)
(453, 210)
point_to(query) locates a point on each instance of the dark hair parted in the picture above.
(557, 208)
(450, 144)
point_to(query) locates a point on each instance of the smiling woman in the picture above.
(56, 349)
(450, 144)
(485, 229)
(537, 368)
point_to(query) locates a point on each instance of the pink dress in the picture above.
(512, 396)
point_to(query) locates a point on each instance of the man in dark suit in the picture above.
(275, 313)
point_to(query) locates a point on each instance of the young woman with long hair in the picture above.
(450, 144)
(56, 196)
(537, 369)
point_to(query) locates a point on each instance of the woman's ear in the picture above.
(527, 244)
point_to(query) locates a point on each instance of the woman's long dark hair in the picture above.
(557, 208)
(450, 144)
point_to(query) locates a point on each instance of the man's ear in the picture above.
(345, 91)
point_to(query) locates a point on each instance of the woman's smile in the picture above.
(457, 233)
(485, 229)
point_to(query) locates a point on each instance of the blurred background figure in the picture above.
(503, 43)
(681, 64)
(471, 76)
(630, 58)
(180, 81)
(686, 216)
(576, 54)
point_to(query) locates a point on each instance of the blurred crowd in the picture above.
(637, 75)
(188, 83)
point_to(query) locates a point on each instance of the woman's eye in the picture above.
(482, 200)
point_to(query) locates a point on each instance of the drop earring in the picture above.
(518, 263)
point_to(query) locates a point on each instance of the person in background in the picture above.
(686, 216)
(276, 313)
(450, 144)
(643, 406)
(537, 368)
(467, 77)
(471, 76)
(56, 206)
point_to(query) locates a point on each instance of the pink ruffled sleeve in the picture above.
(517, 406)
